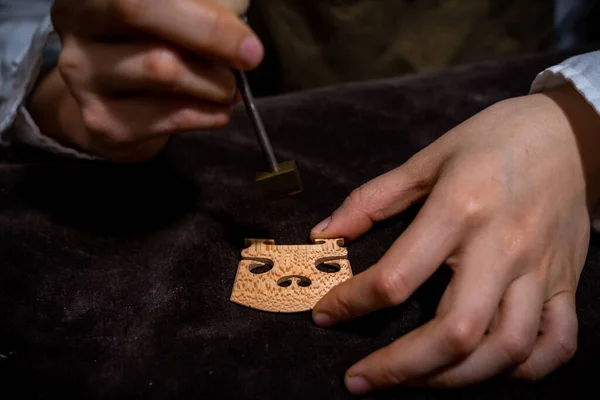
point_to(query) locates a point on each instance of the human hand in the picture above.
(507, 206)
(133, 72)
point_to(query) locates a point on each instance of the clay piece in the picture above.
(289, 278)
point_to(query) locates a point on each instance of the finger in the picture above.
(123, 122)
(139, 67)
(379, 199)
(480, 281)
(408, 263)
(204, 27)
(446, 303)
(558, 340)
(509, 343)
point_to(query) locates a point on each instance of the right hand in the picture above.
(133, 72)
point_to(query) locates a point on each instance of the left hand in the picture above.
(508, 197)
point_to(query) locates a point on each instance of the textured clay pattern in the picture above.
(294, 283)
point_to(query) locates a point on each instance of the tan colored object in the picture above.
(289, 278)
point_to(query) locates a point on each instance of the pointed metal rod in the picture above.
(257, 124)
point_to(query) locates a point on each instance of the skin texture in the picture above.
(139, 71)
(506, 205)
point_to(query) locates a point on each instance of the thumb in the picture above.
(377, 200)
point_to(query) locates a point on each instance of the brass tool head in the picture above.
(283, 182)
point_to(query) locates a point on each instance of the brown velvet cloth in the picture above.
(115, 280)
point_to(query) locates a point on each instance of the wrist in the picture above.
(56, 112)
(582, 121)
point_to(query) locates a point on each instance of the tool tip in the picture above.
(285, 181)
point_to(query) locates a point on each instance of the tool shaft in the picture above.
(257, 123)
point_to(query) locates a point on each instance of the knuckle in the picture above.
(183, 119)
(95, 120)
(356, 196)
(514, 243)
(391, 376)
(70, 63)
(528, 372)
(479, 195)
(517, 238)
(221, 120)
(415, 180)
(223, 84)
(516, 347)
(343, 305)
(117, 139)
(461, 335)
(179, 120)
(215, 24)
(98, 123)
(470, 206)
(365, 200)
(162, 66)
(564, 349)
(391, 288)
(567, 347)
(130, 11)
(446, 381)
(188, 119)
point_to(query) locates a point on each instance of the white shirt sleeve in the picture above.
(583, 71)
(22, 46)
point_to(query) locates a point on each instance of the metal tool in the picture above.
(282, 179)
(257, 124)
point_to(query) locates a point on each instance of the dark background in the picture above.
(115, 281)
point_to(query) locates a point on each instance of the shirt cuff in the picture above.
(583, 71)
(16, 124)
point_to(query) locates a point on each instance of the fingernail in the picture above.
(321, 226)
(322, 319)
(251, 51)
(357, 385)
